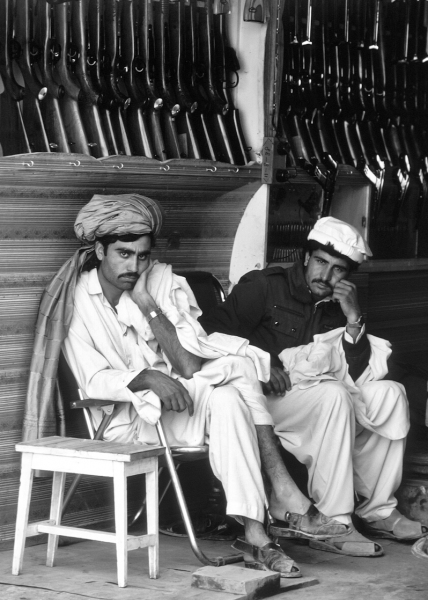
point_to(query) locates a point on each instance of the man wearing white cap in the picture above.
(349, 431)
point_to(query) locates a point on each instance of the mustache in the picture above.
(323, 282)
(127, 275)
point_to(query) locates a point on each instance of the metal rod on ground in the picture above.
(215, 562)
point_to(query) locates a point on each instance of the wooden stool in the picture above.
(89, 457)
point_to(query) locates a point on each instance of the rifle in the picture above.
(88, 97)
(192, 74)
(325, 115)
(13, 135)
(106, 106)
(306, 144)
(43, 51)
(155, 102)
(227, 62)
(216, 107)
(189, 124)
(35, 91)
(69, 101)
(163, 78)
(136, 113)
(112, 68)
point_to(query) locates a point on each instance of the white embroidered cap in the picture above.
(343, 237)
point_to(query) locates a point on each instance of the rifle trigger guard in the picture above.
(212, 169)
(236, 170)
(28, 164)
(166, 168)
(75, 164)
(119, 166)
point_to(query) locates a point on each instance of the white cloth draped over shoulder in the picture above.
(106, 350)
(324, 360)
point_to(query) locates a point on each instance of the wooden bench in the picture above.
(89, 457)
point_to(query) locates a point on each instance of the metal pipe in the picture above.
(215, 562)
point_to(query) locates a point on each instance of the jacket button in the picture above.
(293, 329)
(276, 323)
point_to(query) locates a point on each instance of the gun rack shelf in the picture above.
(41, 162)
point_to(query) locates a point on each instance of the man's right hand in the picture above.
(279, 382)
(171, 392)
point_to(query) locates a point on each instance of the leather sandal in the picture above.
(420, 548)
(270, 557)
(395, 527)
(353, 544)
(313, 525)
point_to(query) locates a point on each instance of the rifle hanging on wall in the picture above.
(35, 92)
(88, 96)
(137, 119)
(13, 135)
(44, 52)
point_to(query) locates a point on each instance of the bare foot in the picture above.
(295, 503)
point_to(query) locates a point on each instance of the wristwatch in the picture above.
(359, 323)
(153, 314)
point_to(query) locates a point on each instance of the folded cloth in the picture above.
(324, 359)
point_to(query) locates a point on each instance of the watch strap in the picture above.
(153, 314)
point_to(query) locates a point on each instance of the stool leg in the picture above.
(24, 498)
(58, 486)
(121, 521)
(152, 511)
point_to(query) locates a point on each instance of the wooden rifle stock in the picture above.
(88, 96)
(227, 62)
(217, 108)
(191, 74)
(155, 107)
(113, 137)
(111, 58)
(118, 100)
(163, 79)
(69, 101)
(13, 135)
(44, 50)
(35, 91)
(136, 113)
(188, 120)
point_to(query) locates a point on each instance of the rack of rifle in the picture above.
(354, 91)
(119, 77)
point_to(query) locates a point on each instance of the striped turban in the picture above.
(118, 215)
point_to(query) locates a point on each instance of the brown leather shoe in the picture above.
(312, 525)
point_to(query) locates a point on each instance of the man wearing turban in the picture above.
(129, 331)
(330, 409)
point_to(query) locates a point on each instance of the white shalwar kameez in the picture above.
(107, 349)
(350, 436)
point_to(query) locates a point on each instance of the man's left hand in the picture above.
(140, 294)
(345, 293)
(279, 382)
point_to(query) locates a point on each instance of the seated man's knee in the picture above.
(395, 391)
(226, 397)
(335, 398)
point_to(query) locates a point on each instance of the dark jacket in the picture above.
(274, 310)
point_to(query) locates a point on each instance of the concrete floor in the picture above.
(87, 570)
